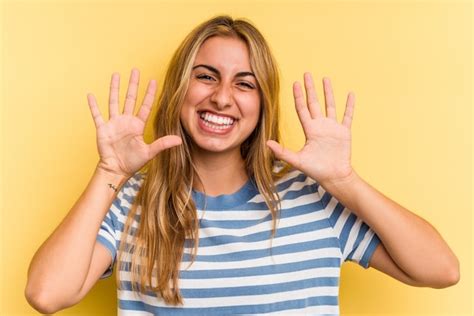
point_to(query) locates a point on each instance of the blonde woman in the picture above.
(224, 220)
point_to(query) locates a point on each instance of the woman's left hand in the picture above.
(326, 155)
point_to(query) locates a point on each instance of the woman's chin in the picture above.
(215, 146)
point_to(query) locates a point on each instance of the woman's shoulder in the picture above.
(284, 172)
(296, 189)
(133, 184)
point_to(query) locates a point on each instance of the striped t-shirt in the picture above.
(237, 270)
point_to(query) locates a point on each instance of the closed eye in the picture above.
(246, 85)
(204, 77)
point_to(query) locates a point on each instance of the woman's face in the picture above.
(222, 105)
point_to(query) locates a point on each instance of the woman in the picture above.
(225, 220)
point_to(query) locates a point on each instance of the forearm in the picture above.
(60, 266)
(413, 244)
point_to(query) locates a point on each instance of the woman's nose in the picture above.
(222, 96)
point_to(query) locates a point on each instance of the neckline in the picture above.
(225, 201)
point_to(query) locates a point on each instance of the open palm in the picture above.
(326, 155)
(120, 142)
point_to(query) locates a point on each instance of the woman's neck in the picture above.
(220, 173)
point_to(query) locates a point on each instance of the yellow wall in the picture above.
(409, 64)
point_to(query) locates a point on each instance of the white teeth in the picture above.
(218, 127)
(218, 122)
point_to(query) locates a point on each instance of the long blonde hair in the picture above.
(164, 202)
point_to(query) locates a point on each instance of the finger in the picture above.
(131, 98)
(98, 120)
(145, 109)
(114, 95)
(329, 99)
(301, 108)
(311, 97)
(163, 143)
(349, 111)
(283, 153)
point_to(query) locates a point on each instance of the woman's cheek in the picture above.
(250, 105)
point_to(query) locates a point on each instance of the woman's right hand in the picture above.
(120, 142)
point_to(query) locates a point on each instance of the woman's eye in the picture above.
(205, 77)
(246, 85)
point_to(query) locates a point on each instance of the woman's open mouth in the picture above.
(214, 123)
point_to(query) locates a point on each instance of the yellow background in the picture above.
(409, 64)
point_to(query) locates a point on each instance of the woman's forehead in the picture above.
(226, 54)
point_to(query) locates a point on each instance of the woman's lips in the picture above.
(213, 127)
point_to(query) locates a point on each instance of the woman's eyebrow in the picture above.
(214, 70)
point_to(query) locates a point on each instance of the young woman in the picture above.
(225, 220)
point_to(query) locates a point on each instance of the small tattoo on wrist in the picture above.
(113, 187)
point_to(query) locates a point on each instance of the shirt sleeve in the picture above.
(111, 228)
(357, 240)
(107, 233)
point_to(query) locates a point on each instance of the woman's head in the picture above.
(184, 93)
(221, 107)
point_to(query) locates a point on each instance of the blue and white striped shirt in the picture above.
(238, 270)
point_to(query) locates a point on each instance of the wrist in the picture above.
(342, 182)
(113, 179)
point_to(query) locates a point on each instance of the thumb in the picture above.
(283, 153)
(163, 143)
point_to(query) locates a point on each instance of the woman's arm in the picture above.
(70, 261)
(59, 268)
(412, 251)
